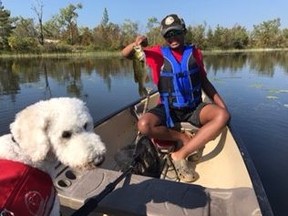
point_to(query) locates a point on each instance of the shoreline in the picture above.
(108, 54)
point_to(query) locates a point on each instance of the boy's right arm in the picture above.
(128, 51)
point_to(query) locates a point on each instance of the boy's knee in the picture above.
(143, 126)
(224, 115)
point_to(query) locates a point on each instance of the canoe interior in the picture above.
(223, 187)
(221, 165)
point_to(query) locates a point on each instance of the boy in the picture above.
(179, 73)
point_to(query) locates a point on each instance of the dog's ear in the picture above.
(29, 130)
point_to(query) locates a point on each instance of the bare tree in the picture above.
(38, 9)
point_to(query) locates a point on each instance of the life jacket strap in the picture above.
(169, 121)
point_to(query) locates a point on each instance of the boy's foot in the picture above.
(196, 156)
(185, 170)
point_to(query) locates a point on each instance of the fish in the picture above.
(139, 53)
(140, 70)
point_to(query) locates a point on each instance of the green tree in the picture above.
(105, 18)
(153, 34)
(285, 37)
(219, 37)
(210, 38)
(24, 36)
(239, 37)
(5, 27)
(267, 34)
(52, 28)
(102, 32)
(68, 20)
(196, 35)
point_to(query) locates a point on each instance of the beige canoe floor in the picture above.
(221, 165)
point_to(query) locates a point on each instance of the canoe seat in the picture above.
(164, 148)
(169, 146)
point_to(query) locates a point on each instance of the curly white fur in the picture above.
(59, 129)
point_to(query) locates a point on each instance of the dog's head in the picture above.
(61, 126)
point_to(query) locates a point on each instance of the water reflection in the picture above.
(68, 72)
(263, 63)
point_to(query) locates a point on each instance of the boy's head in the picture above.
(172, 22)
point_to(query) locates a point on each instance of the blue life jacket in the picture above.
(179, 83)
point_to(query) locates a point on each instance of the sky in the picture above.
(225, 13)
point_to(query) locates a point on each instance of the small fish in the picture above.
(140, 70)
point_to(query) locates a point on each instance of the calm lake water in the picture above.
(254, 86)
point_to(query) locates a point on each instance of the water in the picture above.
(254, 86)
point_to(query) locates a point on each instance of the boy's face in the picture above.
(175, 38)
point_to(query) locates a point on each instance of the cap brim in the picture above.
(177, 27)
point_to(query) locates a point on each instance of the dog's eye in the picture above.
(66, 134)
(85, 126)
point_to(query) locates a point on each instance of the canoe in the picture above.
(228, 183)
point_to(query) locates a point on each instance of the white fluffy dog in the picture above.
(59, 129)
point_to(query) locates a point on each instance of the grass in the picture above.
(244, 50)
(97, 54)
(108, 54)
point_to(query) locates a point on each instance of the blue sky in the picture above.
(226, 13)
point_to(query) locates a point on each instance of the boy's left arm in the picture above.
(207, 86)
(212, 93)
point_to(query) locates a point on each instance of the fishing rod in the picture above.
(93, 202)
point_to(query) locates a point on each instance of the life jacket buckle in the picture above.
(180, 74)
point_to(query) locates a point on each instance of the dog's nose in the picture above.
(99, 160)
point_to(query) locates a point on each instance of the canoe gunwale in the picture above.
(261, 195)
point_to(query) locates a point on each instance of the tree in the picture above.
(52, 28)
(39, 12)
(267, 34)
(129, 31)
(105, 18)
(102, 32)
(68, 20)
(85, 36)
(210, 38)
(24, 36)
(239, 37)
(153, 34)
(108, 37)
(219, 37)
(285, 37)
(196, 35)
(5, 27)
(113, 36)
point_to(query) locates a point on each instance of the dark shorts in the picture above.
(183, 115)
